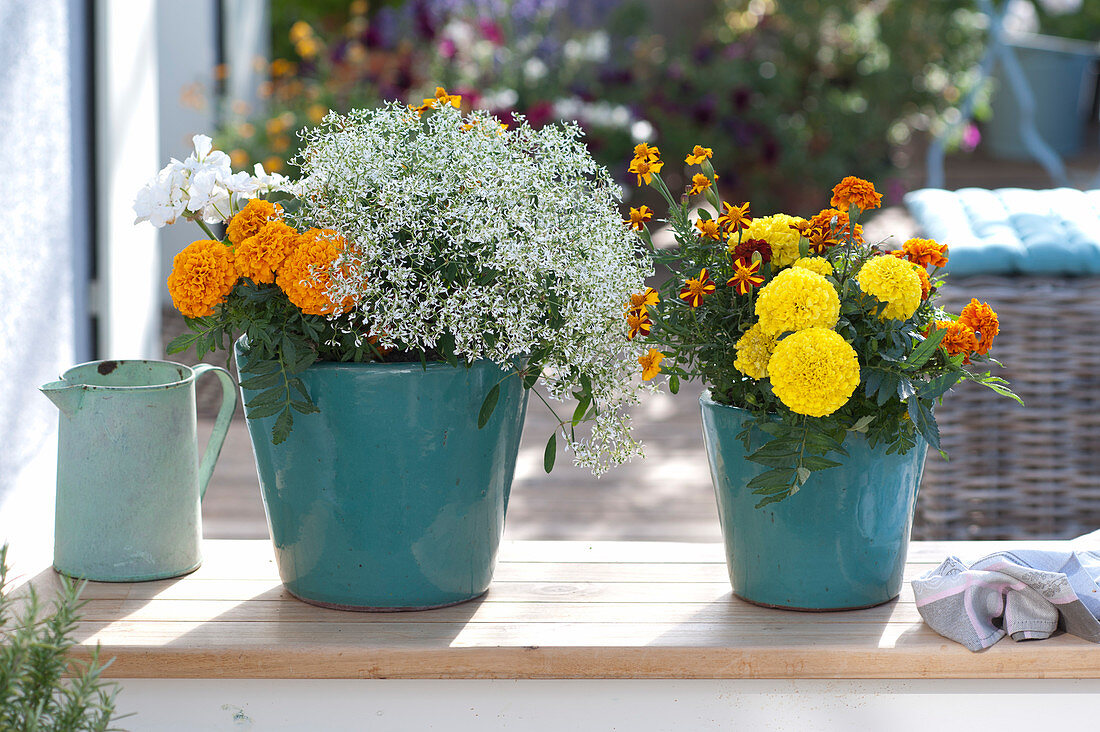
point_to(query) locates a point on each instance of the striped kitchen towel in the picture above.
(1025, 594)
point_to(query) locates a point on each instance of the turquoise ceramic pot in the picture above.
(390, 498)
(839, 543)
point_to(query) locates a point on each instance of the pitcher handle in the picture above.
(221, 424)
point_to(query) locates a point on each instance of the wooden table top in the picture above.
(555, 610)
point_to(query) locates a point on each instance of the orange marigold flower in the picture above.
(834, 223)
(924, 252)
(734, 218)
(250, 220)
(699, 183)
(645, 169)
(925, 283)
(695, 288)
(853, 191)
(642, 151)
(708, 228)
(257, 257)
(651, 363)
(698, 155)
(644, 301)
(980, 317)
(960, 338)
(638, 322)
(307, 273)
(746, 275)
(639, 217)
(202, 277)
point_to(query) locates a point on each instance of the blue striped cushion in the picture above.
(1012, 230)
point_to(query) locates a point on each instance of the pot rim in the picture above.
(706, 400)
(183, 380)
(239, 347)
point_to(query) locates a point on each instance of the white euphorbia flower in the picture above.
(458, 229)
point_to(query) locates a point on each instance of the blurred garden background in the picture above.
(791, 95)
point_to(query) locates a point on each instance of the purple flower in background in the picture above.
(971, 137)
(491, 31)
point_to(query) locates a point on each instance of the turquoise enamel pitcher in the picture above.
(129, 479)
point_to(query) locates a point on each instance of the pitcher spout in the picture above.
(64, 395)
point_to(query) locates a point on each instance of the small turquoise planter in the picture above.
(390, 498)
(837, 544)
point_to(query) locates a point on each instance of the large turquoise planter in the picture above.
(390, 498)
(837, 544)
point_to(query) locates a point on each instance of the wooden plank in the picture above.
(426, 650)
(290, 610)
(556, 610)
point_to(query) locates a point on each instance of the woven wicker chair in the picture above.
(1022, 472)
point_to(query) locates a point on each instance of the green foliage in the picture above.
(795, 94)
(35, 695)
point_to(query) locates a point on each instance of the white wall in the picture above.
(49, 194)
(187, 101)
(37, 258)
(128, 154)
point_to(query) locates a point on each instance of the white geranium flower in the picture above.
(162, 200)
(208, 197)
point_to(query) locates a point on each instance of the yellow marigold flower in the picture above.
(777, 231)
(708, 228)
(306, 274)
(638, 323)
(255, 215)
(959, 339)
(238, 158)
(754, 351)
(644, 301)
(639, 217)
(651, 363)
(645, 169)
(699, 183)
(814, 372)
(815, 264)
(257, 257)
(924, 252)
(698, 155)
(893, 282)
(734, 218)
(981, 318)
(202, 277)
(797, 299)
(695, 289)
(273, 164)
(853, 191)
